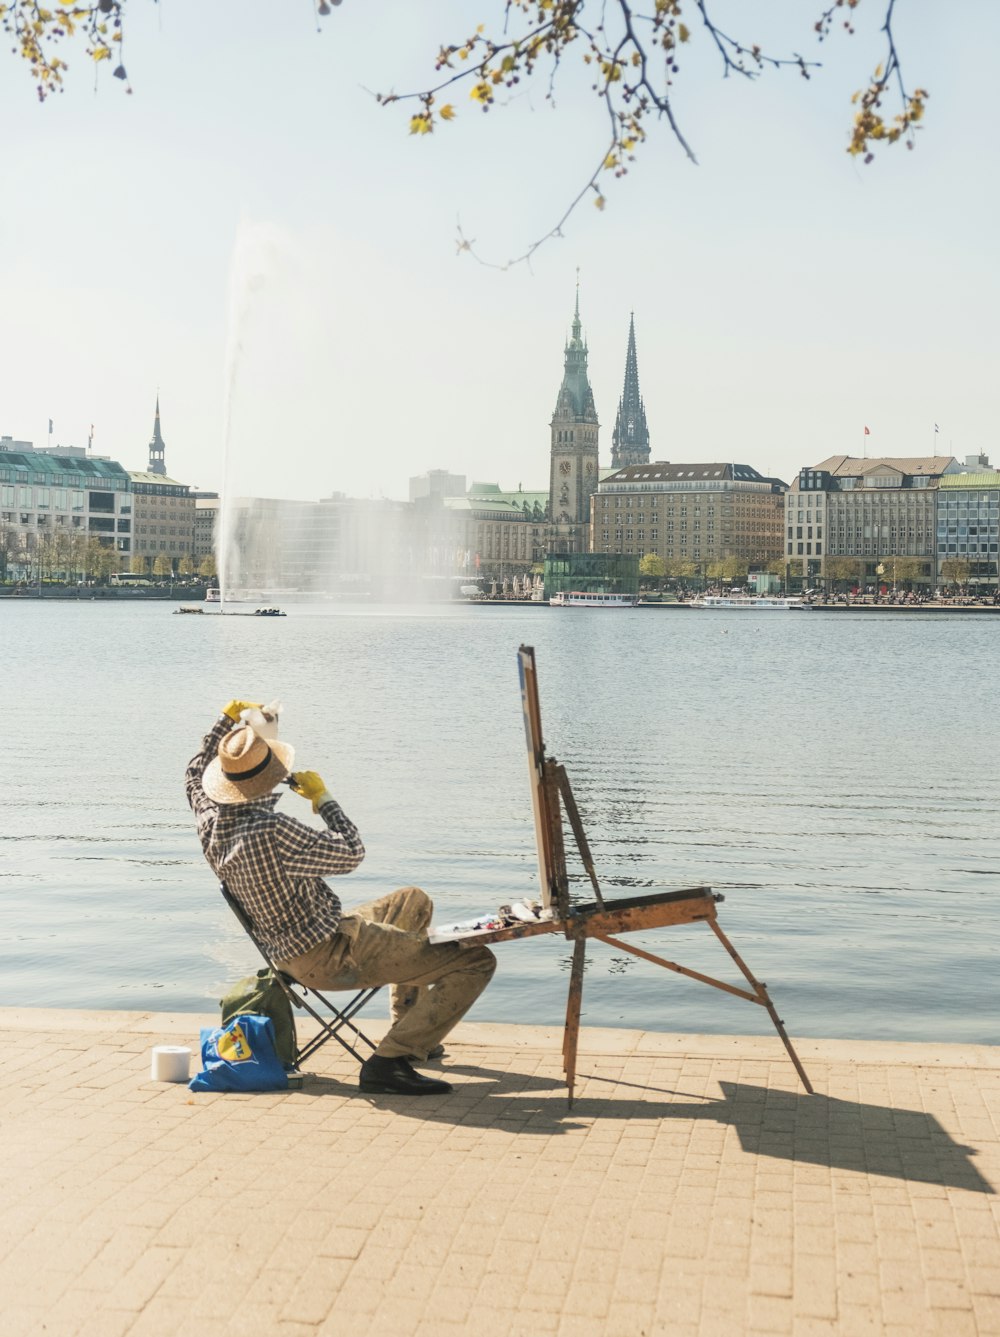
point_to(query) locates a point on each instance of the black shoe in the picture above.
(395, 1077)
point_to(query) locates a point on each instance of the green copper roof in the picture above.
(576, 399)
(479, 492)
(492, 505)
(162, 480)
(951, 481)
(60, 468)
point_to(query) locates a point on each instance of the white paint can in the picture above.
(170, 1063)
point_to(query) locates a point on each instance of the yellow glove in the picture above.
(311, 786)
(235, 707)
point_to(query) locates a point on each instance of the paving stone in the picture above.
(693, 1190)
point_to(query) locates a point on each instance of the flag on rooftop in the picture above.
(867, 432)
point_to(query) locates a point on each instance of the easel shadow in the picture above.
(846, 1135)
(910, 1145)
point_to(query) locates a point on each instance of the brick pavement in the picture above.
(692, 1189)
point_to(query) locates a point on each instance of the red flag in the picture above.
(867, 433)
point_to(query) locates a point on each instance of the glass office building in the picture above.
(968, 521)
(591, 572)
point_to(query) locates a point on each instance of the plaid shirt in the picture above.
(274, 865)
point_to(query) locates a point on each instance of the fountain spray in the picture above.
(253, 260)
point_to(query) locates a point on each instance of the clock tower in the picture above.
(573, 467)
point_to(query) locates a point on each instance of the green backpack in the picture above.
(262, 994)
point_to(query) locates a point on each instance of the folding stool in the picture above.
(339, 1018)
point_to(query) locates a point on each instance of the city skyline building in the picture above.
(691, 515)
(718, 520)
(846, 517)
(968, 523)
(163, 519)
(52, 498)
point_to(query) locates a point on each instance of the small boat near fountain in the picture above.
(224, 612)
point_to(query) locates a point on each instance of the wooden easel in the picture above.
(552, 796)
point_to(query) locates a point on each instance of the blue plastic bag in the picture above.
(240, 1056)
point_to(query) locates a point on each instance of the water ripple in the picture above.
(812, 770)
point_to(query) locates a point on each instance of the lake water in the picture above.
(834, 776)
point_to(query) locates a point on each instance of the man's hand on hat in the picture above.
(310, 785)
(235, 709)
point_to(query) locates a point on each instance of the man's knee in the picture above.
(411, 909)
(479, 961)
(419, 906)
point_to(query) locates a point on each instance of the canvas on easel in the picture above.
(551, 794)
(536, 769)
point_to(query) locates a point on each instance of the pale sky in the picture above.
(785, 295)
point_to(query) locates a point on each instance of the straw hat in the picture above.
(246, 767)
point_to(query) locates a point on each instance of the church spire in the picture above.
(157, 448)
(630, 439)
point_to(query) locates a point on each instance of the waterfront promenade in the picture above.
(692, 1189)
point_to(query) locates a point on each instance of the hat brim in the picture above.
(221, 789)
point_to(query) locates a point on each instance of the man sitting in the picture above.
(274, 865)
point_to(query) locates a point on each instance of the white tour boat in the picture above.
(586, 599)
(756, 602)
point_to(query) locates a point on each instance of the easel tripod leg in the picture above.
(573, 1005)
(763, 996)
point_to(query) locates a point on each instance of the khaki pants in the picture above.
(433, 984)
